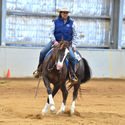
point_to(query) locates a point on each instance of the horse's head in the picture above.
(62, 52)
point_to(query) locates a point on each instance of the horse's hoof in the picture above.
(72, 112)
(43, 113)
(59, 112)
(53, 109)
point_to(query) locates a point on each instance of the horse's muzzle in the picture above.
(59, 66)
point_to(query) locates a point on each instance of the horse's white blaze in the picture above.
(66, 52)
(45, 109)
(62, 109)
(73, 107)
(60, 64)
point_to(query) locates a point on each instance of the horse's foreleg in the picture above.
(45, 109)
(64, 94)
(75, 93)
(51, 101)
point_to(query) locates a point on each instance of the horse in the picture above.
(55, 70)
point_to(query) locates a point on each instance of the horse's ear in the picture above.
(62, 46)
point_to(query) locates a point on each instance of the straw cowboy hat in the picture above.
(63, 9)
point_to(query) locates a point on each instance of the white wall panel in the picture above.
(96, 32)
(34, 29)
(123, 28)
(23, 61)
(42, 6)
(78, 7)
(123, 35)
(27, 29)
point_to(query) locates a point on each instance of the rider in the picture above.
(63, 26)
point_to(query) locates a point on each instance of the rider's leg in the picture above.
(43, 52)
(41, 57)
(72, 61)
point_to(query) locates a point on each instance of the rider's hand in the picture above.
(55, 43)
(74, 49)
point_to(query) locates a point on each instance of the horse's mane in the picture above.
(63, 44)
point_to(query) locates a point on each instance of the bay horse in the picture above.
(55, 70)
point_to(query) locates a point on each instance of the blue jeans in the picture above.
(72, 58)
(44, 51)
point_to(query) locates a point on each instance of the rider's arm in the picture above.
(75, 36)
(51, 32)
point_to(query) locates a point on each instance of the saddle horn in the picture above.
(62, 38)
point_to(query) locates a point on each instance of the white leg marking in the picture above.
(52, 104)
(73, 107)
(62, 109)
(51, 101)
(45, 109)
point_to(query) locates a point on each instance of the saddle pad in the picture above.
(77, 56)
(48, 54)
(66, 60)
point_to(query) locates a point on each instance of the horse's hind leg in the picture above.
(75, 93)
(45, 109)
(64, 94)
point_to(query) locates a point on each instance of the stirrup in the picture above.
(35, 71)
(37, 75)
(73, 81)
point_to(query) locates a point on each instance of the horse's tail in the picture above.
(87, 73)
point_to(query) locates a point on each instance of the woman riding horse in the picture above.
(53, 74)
(63, 27)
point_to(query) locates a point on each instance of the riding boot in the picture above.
(36, 75)
(41, 58)
(73, 78)
(39, 68)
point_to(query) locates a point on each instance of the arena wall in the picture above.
(22, 61)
